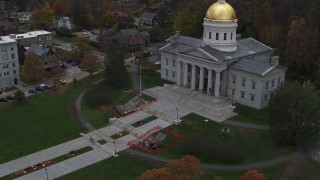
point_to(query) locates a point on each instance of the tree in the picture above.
(61, 8)
(186, 168)
(33, 68)
(163, 18)
(253, 175)
(80, 47)
(294, 114)
(20, 96)
(185, 22)
(42, 17)
(90, 63)
(109, 18)
(115, 70)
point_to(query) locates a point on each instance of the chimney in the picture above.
(274, 61)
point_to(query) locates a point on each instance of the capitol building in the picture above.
(245, 71)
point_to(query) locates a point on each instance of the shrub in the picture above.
(96, 96)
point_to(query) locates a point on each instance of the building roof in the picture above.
(7, 39)
(252, 66)
(148, 15)
(32, 34)
(38, 50)
(195, 47)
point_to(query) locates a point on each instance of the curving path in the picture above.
(161, 160)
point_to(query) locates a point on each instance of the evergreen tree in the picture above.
(115, 70)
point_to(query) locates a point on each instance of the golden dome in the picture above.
(221, 12)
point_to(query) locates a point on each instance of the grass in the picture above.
(250, 115)
(144, 121)
(258, 145)
(102, 141)
(122, 167)
(42, 121)
(151, 79)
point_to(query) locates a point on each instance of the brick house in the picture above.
(133, 40)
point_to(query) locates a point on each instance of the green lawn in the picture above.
(250, 115)
(122, 167)
(257, 145)
(42, 121)
(151, 79)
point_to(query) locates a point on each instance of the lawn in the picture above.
(250, 115)
(256, 145)
(42, 121)
(122, 167)
(151, 79)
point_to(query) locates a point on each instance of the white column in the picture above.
(217, 85)
(193, 78)
(179, 73)
(185, 75)
(201, 84)
(209, 81)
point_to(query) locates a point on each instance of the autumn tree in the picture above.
(185, 22)
(294, 114)
(80, 47)
(115, 70)
(90, 63)
(61, 7)
(42, 17)
(33, 68)
(253, 175)
(186, 168)
(109, 18)
(302, 49)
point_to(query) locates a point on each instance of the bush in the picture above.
(65, 33)
(20, 96)
(96, 96)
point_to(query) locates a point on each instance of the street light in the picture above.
(114, 145)
(139, 76)
(177, 109)
(46, 173)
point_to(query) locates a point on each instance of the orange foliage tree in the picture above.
(186, 168)
(61, 8)
(253, 175)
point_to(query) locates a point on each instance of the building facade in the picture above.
(61, 22)
(133, 40)
(9, 63)
(245, 71)
(40, 37)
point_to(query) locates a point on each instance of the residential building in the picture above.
(61, 22)
(133, 40)
(245, 71)
(147, 19)
(34, 37)
(9, 64)
(24, 17)
(47, 55)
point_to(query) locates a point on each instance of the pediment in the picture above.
(199, 53)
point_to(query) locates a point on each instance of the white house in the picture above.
(60, 22)
(24, 17)
(245, 71)
(9, 63)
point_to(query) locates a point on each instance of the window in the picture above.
(12, 56)
(234, 78)
(253, 85)
(225, 36)
(0, 74)
(7, 66)
(14, 71)
(242, 94)
(232, 92)
(167, 61)
(266, 97)
(13, 65)
(8, 73)
(267, 84)
(209, 35)
(217, 36)
(231, 36)
(167, 72)
(11, 48)
(173, 74)
(279, 79)
(189, 79)
(252, 97)
(272, 83)
(271, 95)
(243, 82)
(174, 63)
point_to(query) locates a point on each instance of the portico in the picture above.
(199, 77)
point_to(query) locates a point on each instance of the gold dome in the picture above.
(221, 12)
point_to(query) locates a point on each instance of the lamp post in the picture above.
(177, 109)
(46, 170)
(114, 145)
(139, 76)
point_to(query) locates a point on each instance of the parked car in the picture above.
(69, 61)
(3, 100)
(64, 66)
(32, 91)
(39, 88)
(10, 97)
(62, 82)
(75, 63)
(47, 86)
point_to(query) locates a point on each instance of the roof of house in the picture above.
(148, 15)
(38, 50)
